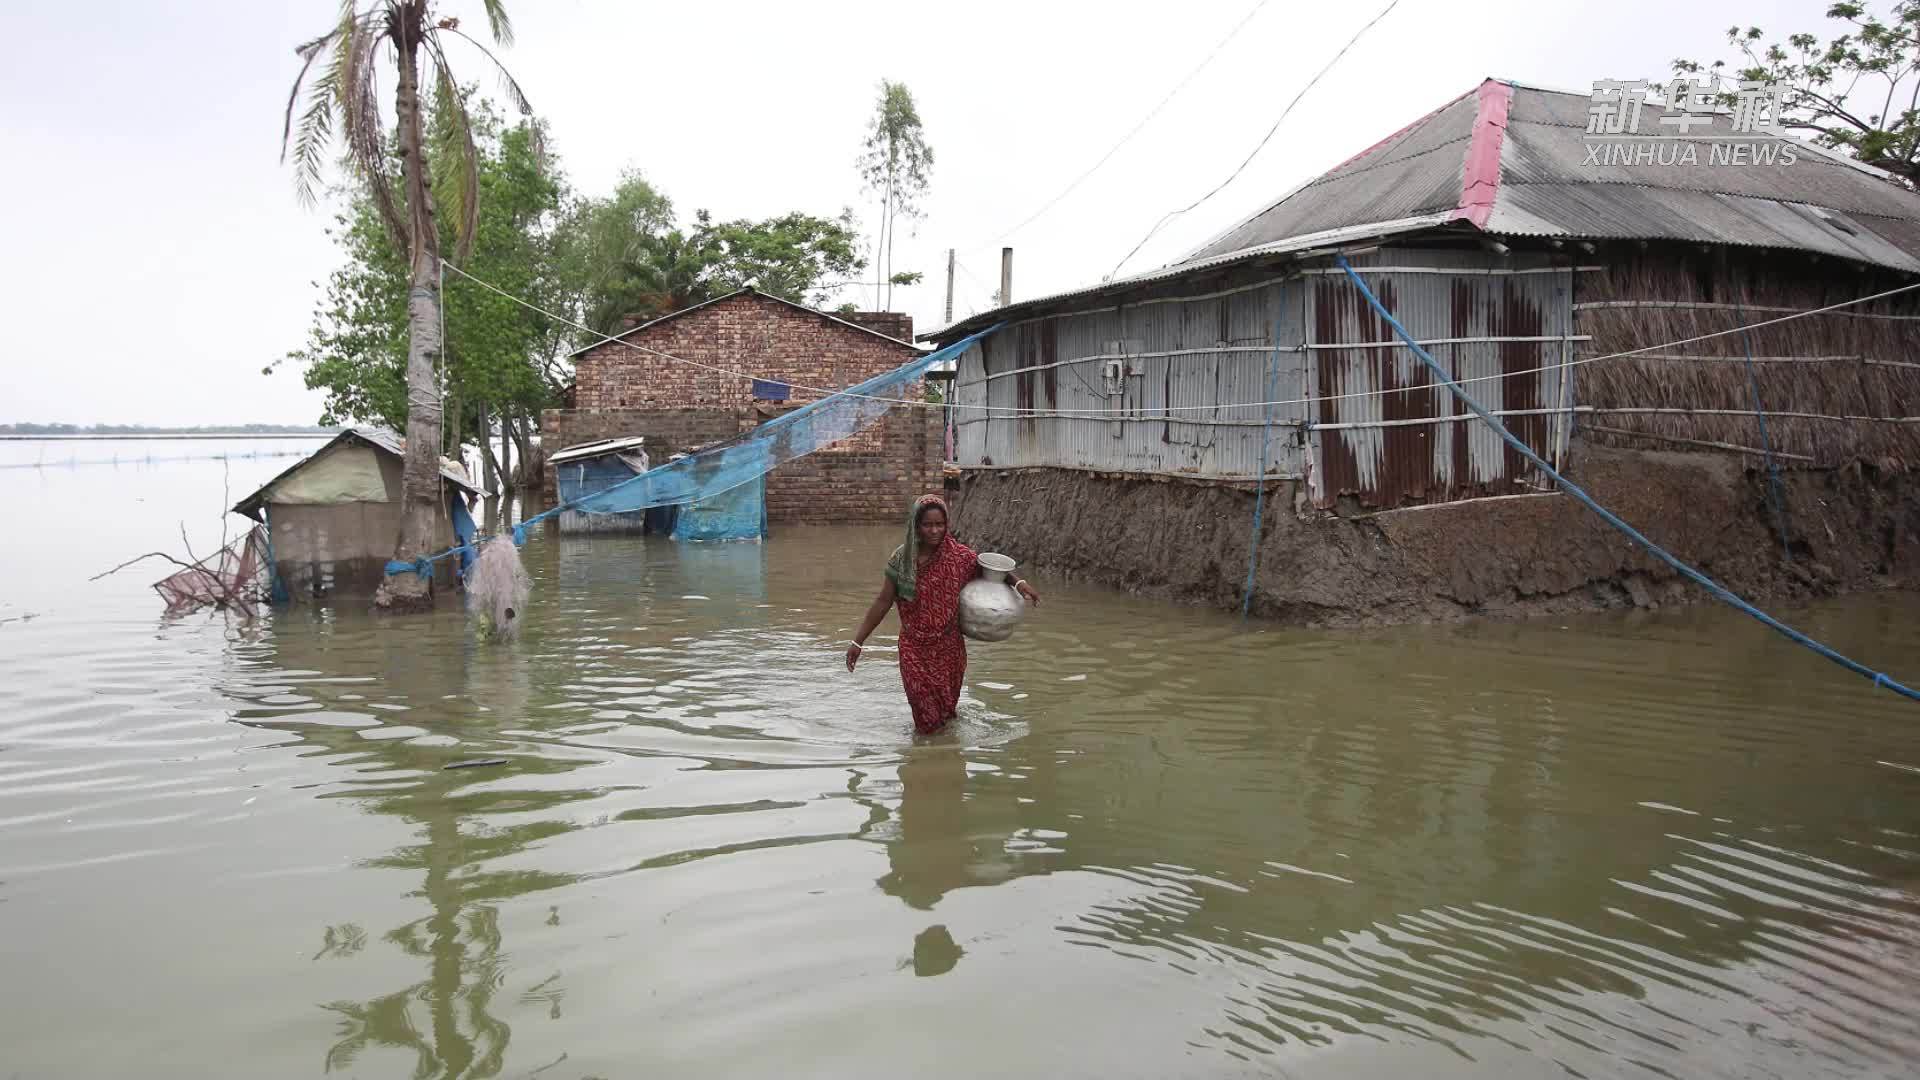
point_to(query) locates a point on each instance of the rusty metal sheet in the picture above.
(1375, 448)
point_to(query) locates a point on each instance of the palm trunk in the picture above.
(420, 511)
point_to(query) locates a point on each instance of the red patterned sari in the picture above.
(933, 655)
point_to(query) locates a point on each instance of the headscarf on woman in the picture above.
(902, 569)
(933, 654)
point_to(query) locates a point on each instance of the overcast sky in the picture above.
(156, 259)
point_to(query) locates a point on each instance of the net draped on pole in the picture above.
(749, 456)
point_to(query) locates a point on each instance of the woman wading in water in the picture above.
(924, 577)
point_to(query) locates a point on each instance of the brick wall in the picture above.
(873, 476)
(894, 324)
(668, 431)
(748, 333)
(870, 477)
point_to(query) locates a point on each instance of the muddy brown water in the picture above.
(1159, 843)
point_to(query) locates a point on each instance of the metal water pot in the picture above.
(989, 606)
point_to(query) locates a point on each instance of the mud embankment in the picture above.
(1851, 529)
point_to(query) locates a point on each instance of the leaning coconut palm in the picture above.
(436, 160)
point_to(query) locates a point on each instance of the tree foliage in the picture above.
(794, 256)
(1858, 90)
(343, 98)
(897, 165)
(594, 261)
(498, 354)
(437, 165)
(624, 257)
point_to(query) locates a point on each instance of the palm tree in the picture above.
(435, 160)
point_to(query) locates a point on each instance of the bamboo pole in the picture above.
(1705, 443)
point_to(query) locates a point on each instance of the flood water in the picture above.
(1158, 844)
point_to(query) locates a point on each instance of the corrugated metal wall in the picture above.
(1172, 385)
(1500, 334)
(1138, 388)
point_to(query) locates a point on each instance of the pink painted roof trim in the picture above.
(1480, 175)
(1390, 138)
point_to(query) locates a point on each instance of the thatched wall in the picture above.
(1854, 375)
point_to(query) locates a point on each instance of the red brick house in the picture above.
(621, 390)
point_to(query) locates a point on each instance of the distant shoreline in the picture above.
(171, 436)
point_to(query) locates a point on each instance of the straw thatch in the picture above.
(1836, 387)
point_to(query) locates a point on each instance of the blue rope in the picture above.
(1266, 436)
(1766, 441)
(1719, 591)
(424, 564)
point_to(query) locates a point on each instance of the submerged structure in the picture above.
(739, 513)
(668, 385)
(332, 520)
(591, 467)
(1601, 303)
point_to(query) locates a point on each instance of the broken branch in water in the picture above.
(143, 558)
(230, 579)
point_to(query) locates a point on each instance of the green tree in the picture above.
(796, 256)
(1858, 91)
(436, 163)
(615, 255)
(624, 258)
(499, 357)
(896, 164)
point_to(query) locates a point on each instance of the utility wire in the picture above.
(1008, 410)
(1284, 113)
(1144, 121)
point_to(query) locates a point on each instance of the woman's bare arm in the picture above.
(875, 613)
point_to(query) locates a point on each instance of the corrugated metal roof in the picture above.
(1538, 153)
(1417, 171)
(1693, 190)
(597, 448)
(1625, 211)
(1329, 238)
(381, 438)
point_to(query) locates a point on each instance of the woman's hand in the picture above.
(875, 612)
(1026, 591)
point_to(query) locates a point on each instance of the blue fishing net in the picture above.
(739, 514)
(722, 468)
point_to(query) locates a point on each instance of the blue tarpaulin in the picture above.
(716, 470)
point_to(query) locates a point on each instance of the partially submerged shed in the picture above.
(333, 519)
(592, 467)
